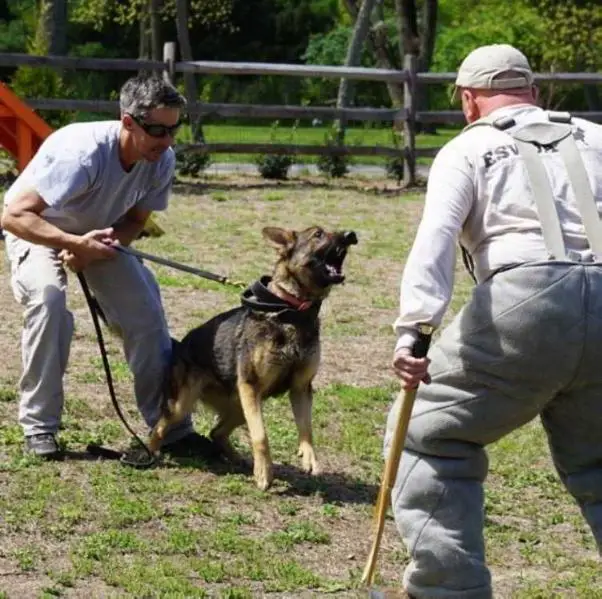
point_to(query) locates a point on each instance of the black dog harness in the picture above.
(258, 298)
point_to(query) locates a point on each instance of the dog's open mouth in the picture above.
(333, 258)
(333, 264)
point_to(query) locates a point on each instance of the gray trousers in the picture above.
(130, 299)
(528, 344)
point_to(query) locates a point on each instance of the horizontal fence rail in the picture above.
(13, 59)
(292, 149)
(264, 111)
(406, 117)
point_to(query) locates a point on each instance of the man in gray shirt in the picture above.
(91, 186)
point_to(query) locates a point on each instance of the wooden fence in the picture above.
(407, 116)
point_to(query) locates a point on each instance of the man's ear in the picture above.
(281, 239)
(535, 92)
(127, 121)
(470, 106)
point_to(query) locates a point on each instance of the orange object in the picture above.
(22, 131)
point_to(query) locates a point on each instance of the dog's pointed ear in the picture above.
(281, 239)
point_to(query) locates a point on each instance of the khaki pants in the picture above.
(528, 344)
(130, 299)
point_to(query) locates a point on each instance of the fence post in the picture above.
(169, 58)
(409, 124)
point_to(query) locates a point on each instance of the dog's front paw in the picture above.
(309, 462)
(264, 474)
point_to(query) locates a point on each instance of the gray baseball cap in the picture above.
(483, 69)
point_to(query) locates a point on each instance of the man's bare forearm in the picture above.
(33, 228)
(128, 231)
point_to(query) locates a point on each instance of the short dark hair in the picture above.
(143, 93)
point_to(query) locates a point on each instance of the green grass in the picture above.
(355, 136)
(98, 529)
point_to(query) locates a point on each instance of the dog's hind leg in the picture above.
(250, 400)
(220, 433)
(301, 397)
(158, 433)
(175, 411)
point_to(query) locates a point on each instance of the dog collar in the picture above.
(288, 308)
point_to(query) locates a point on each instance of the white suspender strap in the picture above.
(544, 200)
(583, 193)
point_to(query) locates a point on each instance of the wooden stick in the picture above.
(392, 464)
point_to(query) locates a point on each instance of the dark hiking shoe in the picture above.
(44, 446)
(192, 445)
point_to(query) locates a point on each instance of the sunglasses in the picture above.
(156, 129)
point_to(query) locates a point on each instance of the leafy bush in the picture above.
(275, 166)
(395, 168)
(189, 164)
(333, 165)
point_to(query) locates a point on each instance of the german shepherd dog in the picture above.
(267, 346)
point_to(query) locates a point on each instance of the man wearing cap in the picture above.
(520, 190)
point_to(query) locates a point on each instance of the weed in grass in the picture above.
(274, 197)
(330, 510)
(219, 196)
(27, 558)
(8, 395)
(300, 532)
(64, 578)
(288, 575)
(98, 546)
(236, 593)
(149, 577)
(288, 508)
(183, 541)
(211, 570)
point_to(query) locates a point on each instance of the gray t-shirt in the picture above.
(78, 174)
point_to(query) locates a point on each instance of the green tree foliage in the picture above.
(96, 13)
(556, 36)
(38, 82)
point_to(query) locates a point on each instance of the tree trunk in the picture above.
(407, 25)
(418, 43)
(58, 29)
(428, 35)
(353, 58)
(53, 26)
(182, 19)
(155, 29)
(143, 36)
(378, 45)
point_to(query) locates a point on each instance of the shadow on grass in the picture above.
(332, 487)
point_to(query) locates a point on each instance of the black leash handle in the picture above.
(177, 265)
(94, 449)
